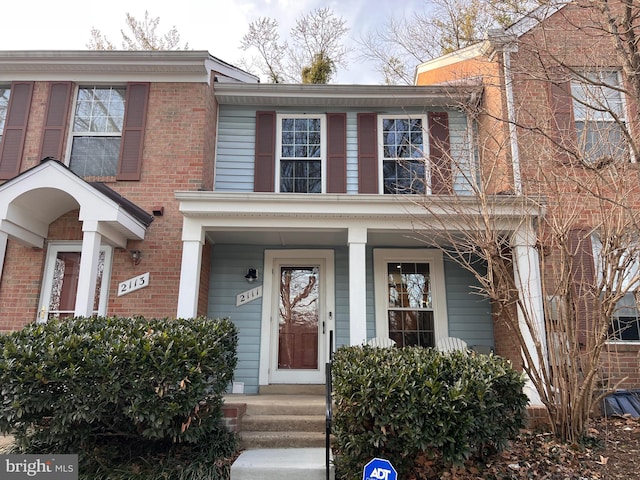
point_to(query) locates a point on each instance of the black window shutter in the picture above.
(56, 118)
(439, 153)
(367, 153)
(15, 129)
(336, 153)
(265, 151)
(135, 119)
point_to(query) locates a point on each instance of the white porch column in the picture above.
(87, 276)
(528, 280)
(357, 286)
(4, 238)
(192, 241)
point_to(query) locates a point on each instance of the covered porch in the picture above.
(353, 239)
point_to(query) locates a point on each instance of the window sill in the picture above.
(108, 179)
(625, 346)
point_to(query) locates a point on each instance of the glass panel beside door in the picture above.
(410, 308)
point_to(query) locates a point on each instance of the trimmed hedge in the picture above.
(72, 384)
(399, 403)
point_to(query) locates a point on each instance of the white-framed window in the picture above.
(301, 153)
(4, 107)
(96, 131)
(402, 150)
(410, 296)
(60, 280)
(599, 108)
(625, 324)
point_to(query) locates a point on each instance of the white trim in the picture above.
(194, 66)
(72, 134)
(383, 256)
(425, 149)
(323, 147)
(269, 340)
(53, 249)
(467, 53)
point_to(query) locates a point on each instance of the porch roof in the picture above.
(40, 195)
(327, 219)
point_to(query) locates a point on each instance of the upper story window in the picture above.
(97, 131)
(301, 154)
(402, 152)
(599, 110)
(4, 106)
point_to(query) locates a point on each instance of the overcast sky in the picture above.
(213, 25)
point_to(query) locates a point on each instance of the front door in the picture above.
(60, 281)
(301, 294)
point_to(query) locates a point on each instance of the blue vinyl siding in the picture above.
(228, 267)
(469, 315)
(236, 143)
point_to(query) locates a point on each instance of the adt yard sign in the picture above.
(379, 469)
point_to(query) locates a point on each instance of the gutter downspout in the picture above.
(500, 41)
(511, 117)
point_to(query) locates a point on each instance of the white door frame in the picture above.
(269, 372)
(47, 280)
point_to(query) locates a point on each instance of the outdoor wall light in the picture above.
(136, 256)
(252, 275)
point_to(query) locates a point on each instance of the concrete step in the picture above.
(284, 423)
(293, 389)
(282, 464)
(284, 404)
(269, 440)
(281, 420)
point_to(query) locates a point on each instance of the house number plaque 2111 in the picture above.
(249, 295)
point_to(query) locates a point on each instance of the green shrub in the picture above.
(399, 403)
(74, 384)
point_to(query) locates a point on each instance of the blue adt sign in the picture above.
(379, 469)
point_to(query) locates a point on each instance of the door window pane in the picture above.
(65, 284)
(298, 318)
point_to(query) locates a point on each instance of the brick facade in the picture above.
(178, 155)
(572, 37)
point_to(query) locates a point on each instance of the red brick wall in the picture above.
(177, 147)
(573, 36)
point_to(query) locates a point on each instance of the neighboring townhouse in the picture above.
(94, 144)
(542, 80)
(183, 187)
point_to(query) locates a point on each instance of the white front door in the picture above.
(297, 315)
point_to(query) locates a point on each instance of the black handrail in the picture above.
(329, 409)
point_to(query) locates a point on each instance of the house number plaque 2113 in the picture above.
(133, 284)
